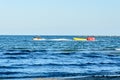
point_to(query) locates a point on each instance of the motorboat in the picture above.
(37, 38)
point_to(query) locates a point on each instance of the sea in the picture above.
(58, 57)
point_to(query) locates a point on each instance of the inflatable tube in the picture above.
(90, 38)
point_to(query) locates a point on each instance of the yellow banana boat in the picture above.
(79, 39)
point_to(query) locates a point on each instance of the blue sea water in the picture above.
(58, 56)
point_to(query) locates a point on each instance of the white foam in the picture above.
(118, 49)
(60, 39)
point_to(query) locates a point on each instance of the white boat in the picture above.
(37, 38)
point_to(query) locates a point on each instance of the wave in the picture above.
(60, 39)
(57, 39)
(117, 49)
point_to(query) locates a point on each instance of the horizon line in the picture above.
(51, 35)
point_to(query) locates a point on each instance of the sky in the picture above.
(59, 17)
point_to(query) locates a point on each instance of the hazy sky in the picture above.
(60, 17)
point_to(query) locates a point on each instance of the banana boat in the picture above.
(79, 39)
